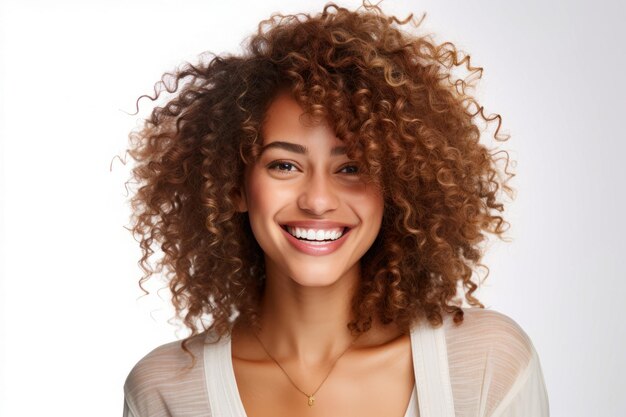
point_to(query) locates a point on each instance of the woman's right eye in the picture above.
(276, 166)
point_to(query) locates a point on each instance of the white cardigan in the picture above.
(487, 367)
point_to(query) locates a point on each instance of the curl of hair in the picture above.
(390, 97)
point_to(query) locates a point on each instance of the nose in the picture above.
(318, 195)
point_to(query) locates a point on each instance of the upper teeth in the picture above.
(316, 234)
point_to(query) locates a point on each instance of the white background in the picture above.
(73, 323)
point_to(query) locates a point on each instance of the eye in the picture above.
(354, 172)
(284, 166)
(277, 165)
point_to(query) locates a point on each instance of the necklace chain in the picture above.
(311, 398)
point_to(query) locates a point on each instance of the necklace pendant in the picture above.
(311, 400)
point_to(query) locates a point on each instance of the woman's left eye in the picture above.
(356, 169)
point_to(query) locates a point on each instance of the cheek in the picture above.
(375, 216)
(259, 209)
(258, 195)
(377, 211)
(266, 197)
(372, 203)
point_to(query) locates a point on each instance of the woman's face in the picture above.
(303, 179)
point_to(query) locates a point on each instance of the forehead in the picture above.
(282, 110)
(282, 123)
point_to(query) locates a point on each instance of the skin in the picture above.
(305, 307)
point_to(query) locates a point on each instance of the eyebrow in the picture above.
(301, 149)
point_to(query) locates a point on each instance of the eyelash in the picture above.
(276, 163)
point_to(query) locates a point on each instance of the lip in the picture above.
(316, 224)
(316, 249)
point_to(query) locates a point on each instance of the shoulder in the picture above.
(165, 377)
(493, 365)
(491, 340)
(489, 329)
(489, 351)
(165, 362)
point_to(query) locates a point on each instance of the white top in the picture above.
(487, 367)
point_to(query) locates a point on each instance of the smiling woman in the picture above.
(294, 212)
(320, 198)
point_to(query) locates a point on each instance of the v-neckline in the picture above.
(233, 390)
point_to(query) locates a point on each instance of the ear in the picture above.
(240, 199)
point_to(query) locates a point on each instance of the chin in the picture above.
(316, 277)
(314, 281)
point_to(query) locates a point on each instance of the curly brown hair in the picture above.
(390, 97)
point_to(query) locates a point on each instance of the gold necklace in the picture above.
(311, 398)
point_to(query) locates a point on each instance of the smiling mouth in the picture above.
(343, 233)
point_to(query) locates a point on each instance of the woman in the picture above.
(320, 198)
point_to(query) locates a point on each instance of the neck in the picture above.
(307, 324)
